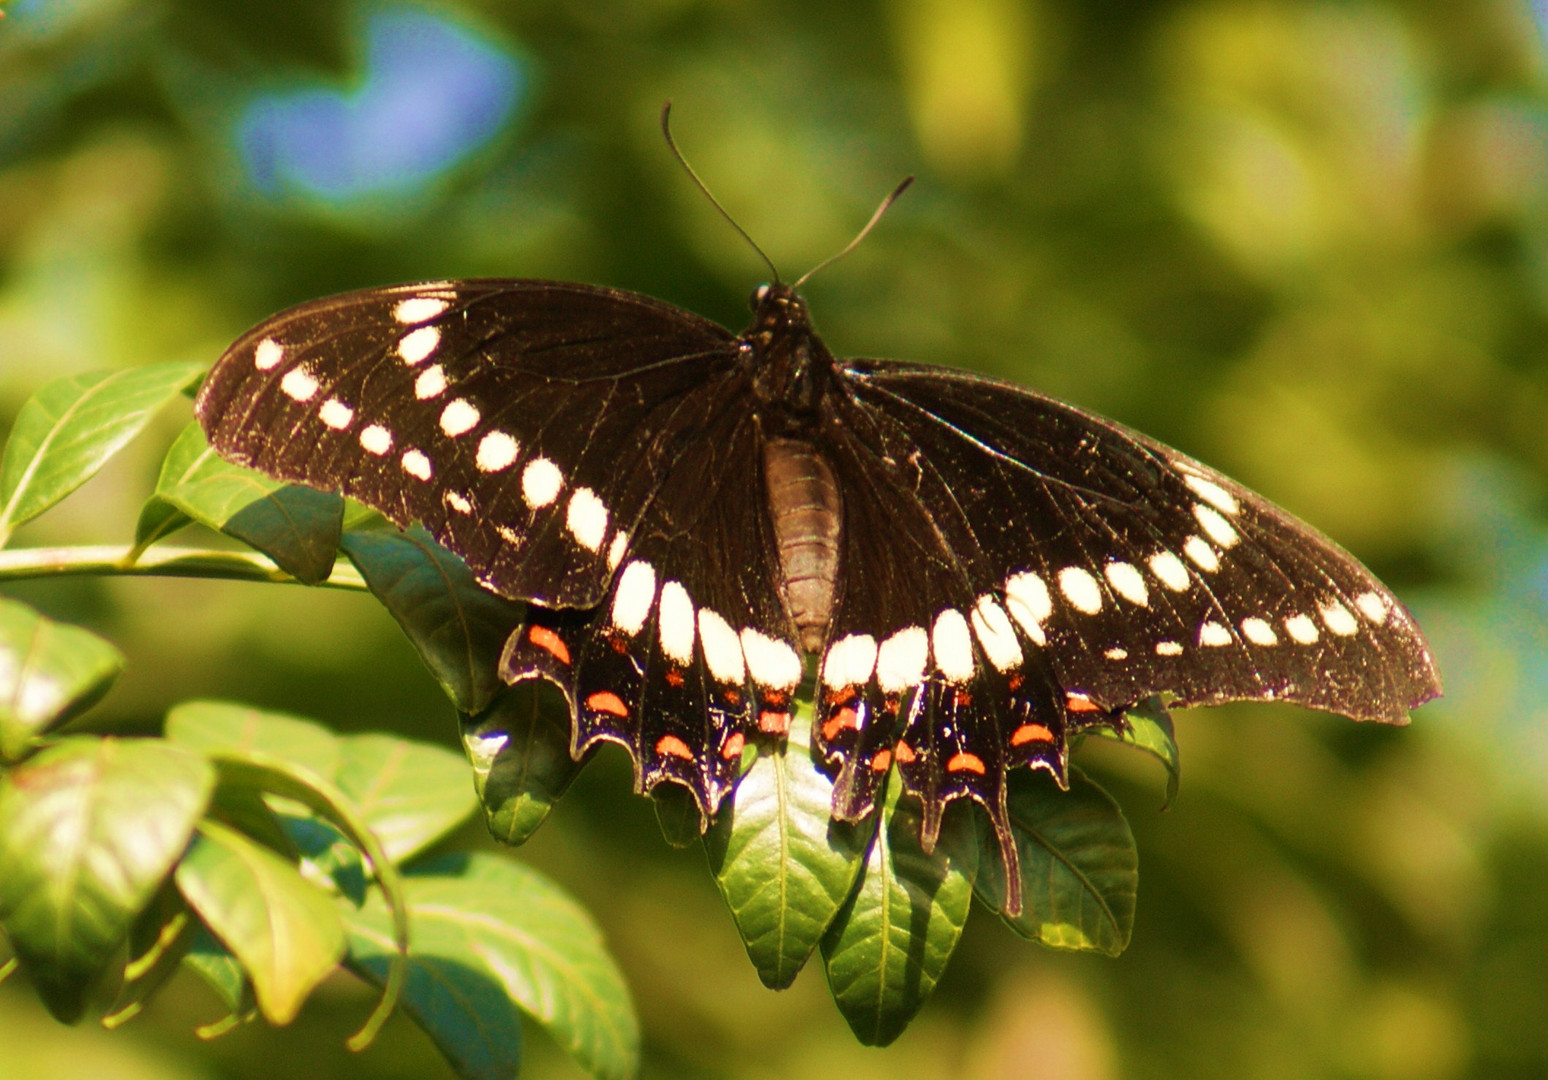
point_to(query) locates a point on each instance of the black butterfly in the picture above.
(983, 571)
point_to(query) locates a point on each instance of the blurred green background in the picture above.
(1304, 241)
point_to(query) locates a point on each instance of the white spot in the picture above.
(415, 345)
(722, 649)
(676, 623)
(459, 417)
(1128, 583)
(459, 502)
(774, 664)
(496, 451)
(336, 414)
(1170, 571)
(586, 518)
(1168, 648)
(900, 661)
(540, 482)
(1202, 554)
(1258, 631)
(1373, 606)
(40, 696)
(1081, 589)
(431, 383)
(268, 354)
(375, 439)
(1117, 654)
(1214, 634)
(417, 309)
(299, 384)
(1214, 494)
(849, 661)
(508, 534)
(1026, 595)
(632, 598)
(1219, 528)
(953, 647)
(996, 634)
(1337, 618)
(615, 550)
(416, 464)
(1302, 630)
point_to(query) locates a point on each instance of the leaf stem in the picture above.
(120, 560)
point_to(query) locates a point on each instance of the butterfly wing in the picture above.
(1152, 573)
(691, 653)
(527, 424)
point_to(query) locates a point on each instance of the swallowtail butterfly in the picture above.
(983, 571)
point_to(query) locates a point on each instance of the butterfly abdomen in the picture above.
(807, 512)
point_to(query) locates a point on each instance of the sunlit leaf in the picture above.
(49, 672)
(457, 627)
(216, 726)
(409, 793)
(488, 932)
(1079, 866)
(70, 428)
(519, 748)
(158, 519)
(783, 865)
(285, 931)
(205, 486)
(88, 830)
(889, 945)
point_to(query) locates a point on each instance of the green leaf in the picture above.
(888, 947)
(49, 672)
(158, 939)
(519, 748)
(287, 933)
(223, 973)
(458, 628)
(70, 428)
(264, 773)
(88, 830)
(220, 726)
(203, 485)
(1149, 728)
(297, 527)
(677, 812)
(158, 519)
(784, 866)
(488, 932)
(409, 793)
(1079, 867)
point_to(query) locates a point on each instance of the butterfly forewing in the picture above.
(1140, 570)
(527, 424)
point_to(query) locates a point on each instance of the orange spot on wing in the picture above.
(962, 761)
(777, 698)
(1015, 680)
(881, 760)
(1080, 703)
(549, 642)
(674, 677)
(773, 723)
(905, 753)
(608, 702)
(839, 721)
(1031, 733)
(731, 696)
(619, 643)
(733, 746)
(672, 746)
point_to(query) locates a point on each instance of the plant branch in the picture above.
(117, 560)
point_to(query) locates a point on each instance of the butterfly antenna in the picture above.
(666, 130)
(869, 225)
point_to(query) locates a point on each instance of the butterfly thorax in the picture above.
(790, 367)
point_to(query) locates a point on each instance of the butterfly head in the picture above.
(784, 349)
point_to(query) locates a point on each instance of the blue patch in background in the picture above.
(433, 94)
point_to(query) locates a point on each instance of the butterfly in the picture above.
(982, 572)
